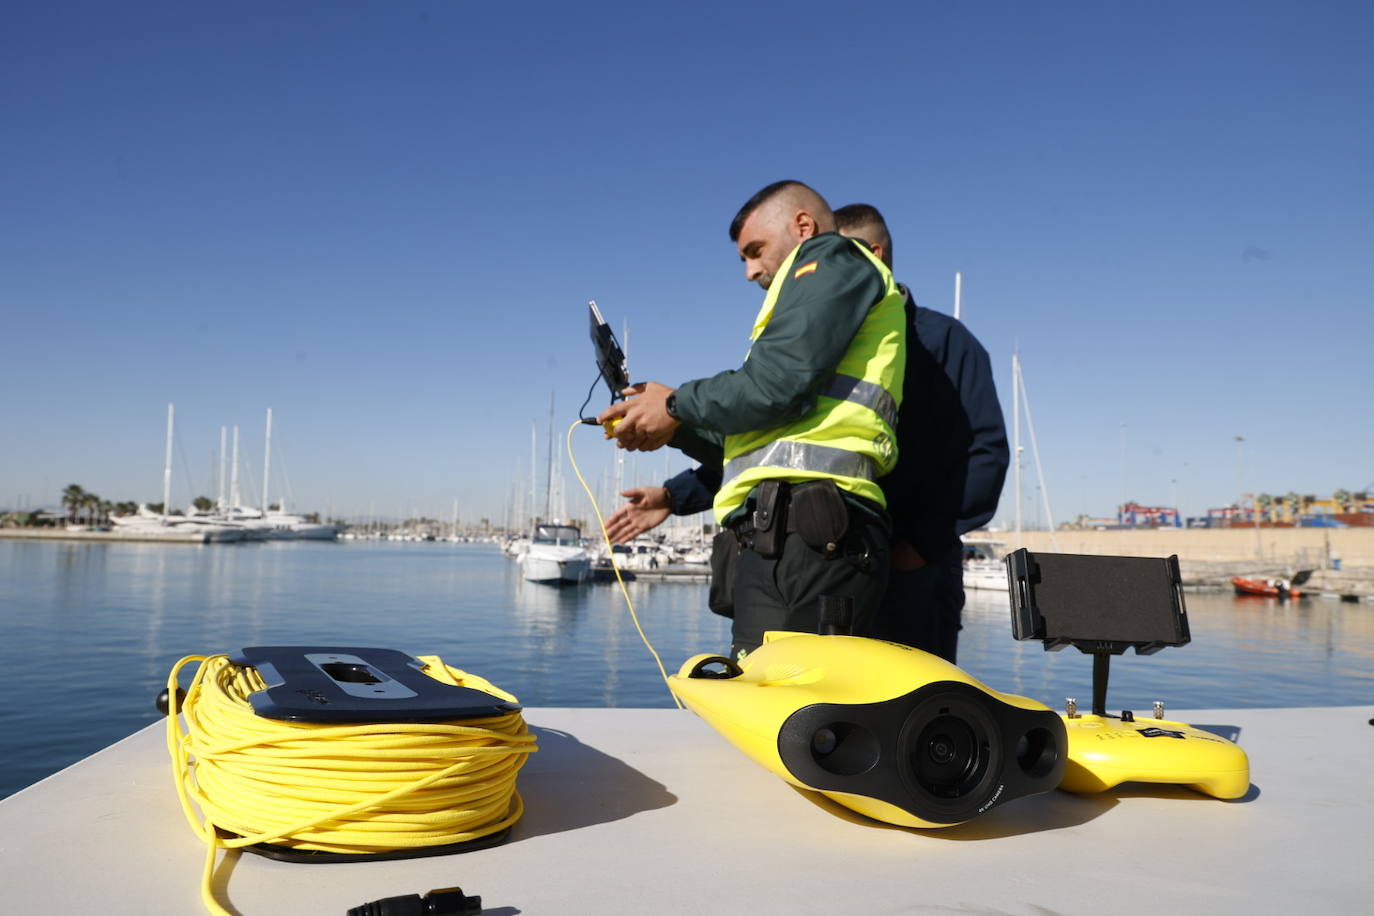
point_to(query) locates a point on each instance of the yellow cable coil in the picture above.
(347, 789)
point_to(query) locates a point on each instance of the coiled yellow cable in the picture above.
(353, 789)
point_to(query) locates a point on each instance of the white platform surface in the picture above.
(639, 811)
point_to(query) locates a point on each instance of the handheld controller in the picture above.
(610, 362)
(1104, 606)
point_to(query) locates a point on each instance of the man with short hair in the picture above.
(954, 461)
(802, 430)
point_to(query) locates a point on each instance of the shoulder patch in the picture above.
(807, 268)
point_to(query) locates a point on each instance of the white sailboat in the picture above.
(144, 520)
(266, 522)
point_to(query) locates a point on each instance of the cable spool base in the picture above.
(323, 754)
(316, 857)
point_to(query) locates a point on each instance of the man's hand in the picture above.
(647, 508)
(644, 422)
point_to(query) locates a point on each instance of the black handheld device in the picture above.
(610, 359)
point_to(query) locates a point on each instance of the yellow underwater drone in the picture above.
(891, 732)
(905, 737)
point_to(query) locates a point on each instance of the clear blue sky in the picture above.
(383, 220)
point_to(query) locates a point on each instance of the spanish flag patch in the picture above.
(809, 268)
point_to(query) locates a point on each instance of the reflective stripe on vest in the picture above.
(803, 456)
(866, 394)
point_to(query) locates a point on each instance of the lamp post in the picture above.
(1122, 511)
(1240, 478)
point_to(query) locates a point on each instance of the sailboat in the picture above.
(275, 524)
(556, 554)
(144, 520)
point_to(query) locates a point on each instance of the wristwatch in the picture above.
(670, 405)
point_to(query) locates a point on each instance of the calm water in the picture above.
(90, 631)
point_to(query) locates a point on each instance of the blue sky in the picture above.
(383, 220)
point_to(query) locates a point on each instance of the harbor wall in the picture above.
(1283, 546)
(1212, 556)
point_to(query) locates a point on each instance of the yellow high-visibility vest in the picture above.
(850, 434)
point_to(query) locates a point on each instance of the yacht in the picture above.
(215, 530)
(556, 556)
(983, 566)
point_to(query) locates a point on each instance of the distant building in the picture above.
(1134, 515)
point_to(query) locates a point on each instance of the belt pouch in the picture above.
(770, 518)
(820, 516)
(725, 548)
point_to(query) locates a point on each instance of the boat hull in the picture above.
(1263, 588)
(555, 568)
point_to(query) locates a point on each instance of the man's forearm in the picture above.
(693, 490)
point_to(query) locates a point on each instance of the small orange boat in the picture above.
(1267, 588)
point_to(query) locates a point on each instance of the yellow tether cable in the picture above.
(345, 789)
(616, 566)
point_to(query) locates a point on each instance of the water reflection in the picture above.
(1244, 652)
(90, 631)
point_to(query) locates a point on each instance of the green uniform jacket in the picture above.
(793, 358)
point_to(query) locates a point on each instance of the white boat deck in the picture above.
(635, 811)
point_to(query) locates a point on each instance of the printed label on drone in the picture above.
(992, 801)
(1159, 733)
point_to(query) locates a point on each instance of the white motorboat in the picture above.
(556, 556)
(983, 566)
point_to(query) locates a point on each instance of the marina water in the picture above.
(90, 631)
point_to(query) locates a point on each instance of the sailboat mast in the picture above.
(235, 496)
(1039, 468)
(266, 461)
(223, 433)
(1016, 435)
(167, 471)
(548, 489)
(958, 294)
(534, 488)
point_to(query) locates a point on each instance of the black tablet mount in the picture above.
(1100, 605)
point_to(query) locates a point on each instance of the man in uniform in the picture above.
(954, 461)
(802, 430)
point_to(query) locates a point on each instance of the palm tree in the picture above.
(71, 498)
(1294, 503)
(91, 503)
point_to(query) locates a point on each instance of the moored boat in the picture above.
(983, 567)
(1267, 588)
(556, 556)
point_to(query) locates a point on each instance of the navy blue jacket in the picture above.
(951, 438)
